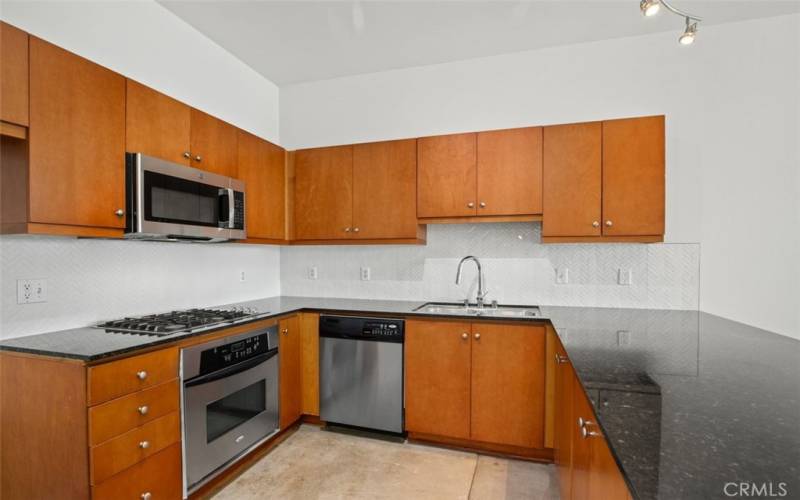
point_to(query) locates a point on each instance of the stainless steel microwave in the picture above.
(171, 202)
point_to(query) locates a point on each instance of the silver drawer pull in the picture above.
(143, 410)
(141, 375)
(144, 444)
(146, 495)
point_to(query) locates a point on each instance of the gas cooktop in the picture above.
(177, 321)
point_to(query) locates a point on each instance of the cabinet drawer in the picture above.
(159, 475)
(123, 451)
(118, 378)
(116, 417)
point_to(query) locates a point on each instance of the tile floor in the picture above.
(316, 464)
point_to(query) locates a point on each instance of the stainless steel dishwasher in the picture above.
(361, 372)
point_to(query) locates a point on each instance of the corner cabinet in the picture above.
(364, 193)
(604, 181)
(262, 167)
(481, 384)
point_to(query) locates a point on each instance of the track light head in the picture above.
(687, 38)
(649, 8)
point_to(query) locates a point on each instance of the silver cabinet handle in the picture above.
(143, 410)
(596, 224)
(609, 223)
(347, 230)
(465, 335)
(355, 229)
(477, 336)
(187, 154)
(144, 444)
(470, 205)
(198, 158)
(146, 495)
(286, 331)
(561, 359)
(586, 433)
(141, 375)
(119, 212)
(482, 205)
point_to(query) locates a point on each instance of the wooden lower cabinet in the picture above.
(159, 475)
(290, 377)
(477, 381)
(309, 358)
(586, 468)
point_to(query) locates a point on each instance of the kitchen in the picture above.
(402, 264)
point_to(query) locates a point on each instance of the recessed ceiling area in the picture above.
(298, 41)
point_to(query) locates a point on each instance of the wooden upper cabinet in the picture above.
(633, 176)
(510, 172)
(446, 176)
(290, 377)
(77, 140)
(572, 180)
(262, 167)
(437, 378)
(508, 384)
(13, 75)
(323, 196)
(157, 125)
(385, 190)
(213, 144)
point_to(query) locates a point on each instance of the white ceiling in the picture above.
(297, 41)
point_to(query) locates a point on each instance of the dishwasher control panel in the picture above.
(352, 327)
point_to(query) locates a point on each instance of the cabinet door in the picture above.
(510, 172)
(385, 190)
(572, 180)
(562, 442)
(605, 479)
(437, 378)
(581, 446)
(213, 144)
(13, 75)
(446, 176)
(156, 125)
(290, 371)
(508, 384)
(633, 176)
(77, 140)
(262, 167)
(323, 196)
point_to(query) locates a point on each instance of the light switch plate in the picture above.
(623, 338)
(625, 277)
(562, 276)
(31, 291)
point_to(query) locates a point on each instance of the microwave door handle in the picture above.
(231, 208)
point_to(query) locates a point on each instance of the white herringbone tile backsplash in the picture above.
(517, 269)
(92, 280)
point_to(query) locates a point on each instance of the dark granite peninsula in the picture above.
(692, 405)
(690, 402)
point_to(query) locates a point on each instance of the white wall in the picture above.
(732, 131)
(93, 280)
(146, 42)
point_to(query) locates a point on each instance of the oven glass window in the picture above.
(180, 201)
(235, 409)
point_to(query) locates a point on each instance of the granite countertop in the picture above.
(689, 402)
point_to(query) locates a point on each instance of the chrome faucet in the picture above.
(481, 293)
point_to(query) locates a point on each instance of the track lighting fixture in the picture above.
(650, 8)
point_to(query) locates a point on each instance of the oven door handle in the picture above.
(231, 370)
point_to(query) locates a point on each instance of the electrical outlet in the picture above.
(241, 276)
(623, 338)
(625, 277)
(562, 275)
(30, 291)
(313, 273)
(365, 274)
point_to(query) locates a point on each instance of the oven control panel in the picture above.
(234, 352)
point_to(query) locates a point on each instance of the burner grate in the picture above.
(176, 321)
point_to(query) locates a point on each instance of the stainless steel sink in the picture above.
(499, 311)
